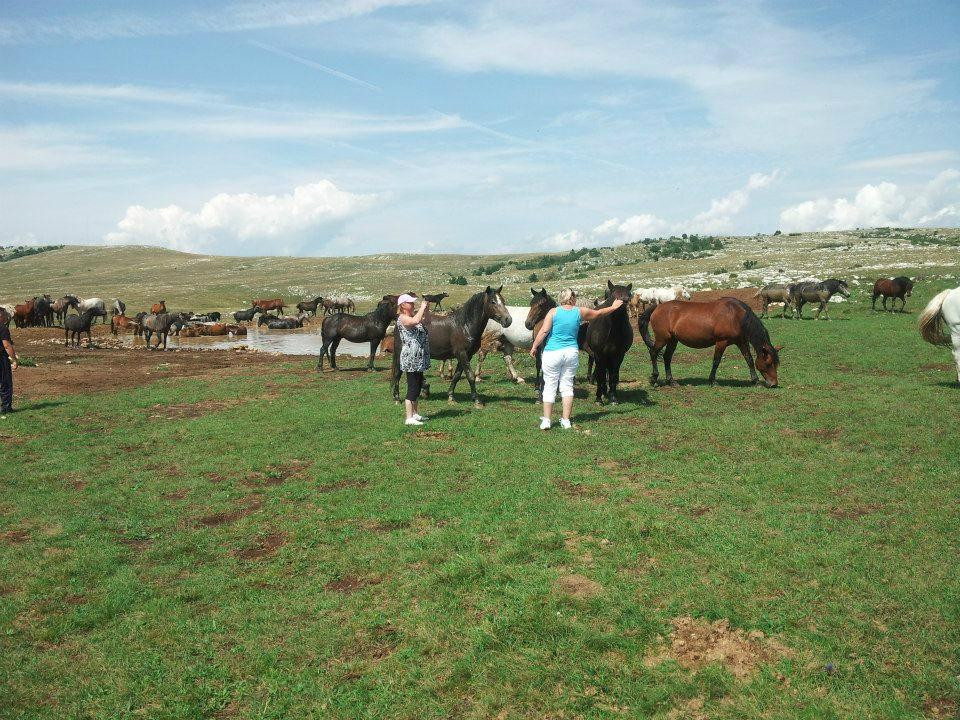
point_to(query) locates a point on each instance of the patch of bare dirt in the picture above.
(263, 547)
(277, 474)
(138, 544)
(828, 433)
(699, 510)
(349, 584)
(247, 507)
(14, 537)
(172, 495)
(938, 366)
(431, 435)
(579, 586)
(854, 512)
(941, 708)
(696, 643)
(179, 411)
(67, 371)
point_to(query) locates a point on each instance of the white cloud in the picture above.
(244, 224)
(232, 17)
(719, 218)
(884, 204)
(907, 160)
(43, 148)
(122, 93)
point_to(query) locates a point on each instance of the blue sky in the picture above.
(364, 126)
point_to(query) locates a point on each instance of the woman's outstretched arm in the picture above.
(589, 314)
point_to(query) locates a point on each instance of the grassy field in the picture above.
(141, 276)
(279, 546)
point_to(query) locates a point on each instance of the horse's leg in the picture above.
(654, 354)
(323, 353)
(481, 356)
(373, 351)
(600, 372)
(333, 353)
(824, 307)
(668, 361)
(614, 379)
(454, 380)
(472, 379)
(745, 350)
(717, 356)
(508, 349)
(873, 303)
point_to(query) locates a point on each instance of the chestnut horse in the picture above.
(898, 287)
(723, 322)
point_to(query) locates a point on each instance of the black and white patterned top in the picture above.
(415, 354)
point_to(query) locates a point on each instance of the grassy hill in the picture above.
(141, 275)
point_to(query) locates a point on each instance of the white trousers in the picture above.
(559, 368)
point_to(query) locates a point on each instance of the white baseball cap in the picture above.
(405, 298)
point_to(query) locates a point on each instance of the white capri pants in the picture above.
(559, 368)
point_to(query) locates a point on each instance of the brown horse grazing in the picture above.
(608, 339)
(898, 287)
(723, 322)
(457, 335)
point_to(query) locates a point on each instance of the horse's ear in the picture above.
(778, 348)
(489, 289)
(630, 288)
(609, 284)
(533, 292)
(499, 289)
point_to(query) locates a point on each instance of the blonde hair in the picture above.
(567, 296)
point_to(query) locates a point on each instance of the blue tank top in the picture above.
(563, 334)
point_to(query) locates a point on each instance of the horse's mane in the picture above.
(755, 332)
(471, 308)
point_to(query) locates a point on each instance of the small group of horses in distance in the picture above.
(44, 311)
(794, 296)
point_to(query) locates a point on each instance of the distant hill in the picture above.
(141, 275)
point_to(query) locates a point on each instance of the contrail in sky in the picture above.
(315, 65)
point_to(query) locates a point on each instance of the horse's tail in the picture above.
(931, 321)
(643, 325)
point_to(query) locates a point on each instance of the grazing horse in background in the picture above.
(720, 323)
(654, 296)
(898, 287)
(63, 305)
(608, 339)
(159, 324)
(356, 328)
(943, 310)
(158, 308)
(97, 305)
(310, 305)
(246, 315)
(75, 325)
(821, 292)
(436, 300)
(457, 336)
(774, 294)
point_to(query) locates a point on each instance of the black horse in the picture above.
(284, 323)
(458, 336)
(310, 305)
(355, 328)
(75, 325)
(819, 292)
(608, 339)
(246, 315)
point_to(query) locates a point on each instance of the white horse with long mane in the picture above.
(654, 296)
(941, 315)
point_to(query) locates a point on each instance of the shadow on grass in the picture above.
(700, 382)
(43, 405)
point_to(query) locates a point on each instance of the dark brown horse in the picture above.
(355, 328)
(608, 339)
(720, 323)
(310, 305)
(898, 287)
(457, 336)
(436, 300)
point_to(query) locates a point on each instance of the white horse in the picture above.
(944, 309)
(507, 339)
(654, 296)
(98, 306)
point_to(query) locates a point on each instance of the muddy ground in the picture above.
(70, 371)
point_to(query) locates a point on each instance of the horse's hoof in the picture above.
(520, 381)
(674, 383)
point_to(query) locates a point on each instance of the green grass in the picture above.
(823, 513)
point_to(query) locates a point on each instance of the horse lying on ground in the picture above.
(457, 335)
(720, 323)
(942, 314)
(898, 287)
(355, 328)
(820, 292)
(774, 294)
(75, 325)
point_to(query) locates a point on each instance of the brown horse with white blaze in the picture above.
(720, 323)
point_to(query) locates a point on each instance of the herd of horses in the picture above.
(795, 296)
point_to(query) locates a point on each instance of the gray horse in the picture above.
(773, 294)
(819, 292)
(159, 324)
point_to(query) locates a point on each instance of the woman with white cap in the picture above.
(414, 353)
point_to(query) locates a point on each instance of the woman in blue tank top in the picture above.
(561, 354)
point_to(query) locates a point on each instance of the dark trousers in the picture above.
(414, 385)
(6, 384)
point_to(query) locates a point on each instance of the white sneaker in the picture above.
(412, 421)
(544, 423)
(565, 424)
(421, 418)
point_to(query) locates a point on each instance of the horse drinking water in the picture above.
(720, 323)
(457, 336)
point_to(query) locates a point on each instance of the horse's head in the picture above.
(540, 304)
(841, 288)
(768, 360)
(495, 307)
(388, 306)
(618, 292)
(909, 284)
(684, 293)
